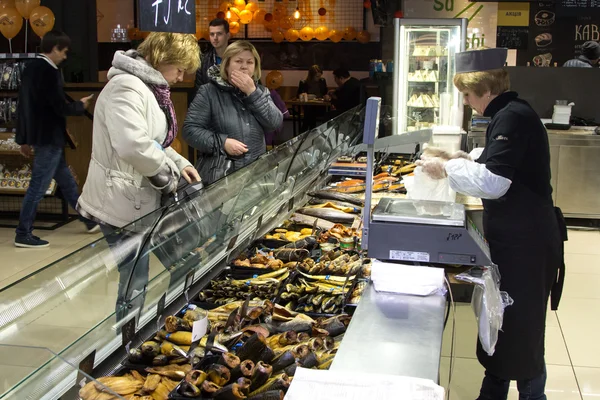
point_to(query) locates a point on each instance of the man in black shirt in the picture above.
(42, 127)
(219, 39)
(347, 95)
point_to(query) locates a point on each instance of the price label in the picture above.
(199, 329)
(409, 256)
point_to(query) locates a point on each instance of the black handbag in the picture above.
(214, 167)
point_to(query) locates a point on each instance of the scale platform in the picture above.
(425, 231)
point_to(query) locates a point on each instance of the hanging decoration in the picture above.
(349, 33)
(274, 80)
(240, 4)
(322, 33)
(4, 4)
(246, 17)
(292, 35)
(336, 36)
(252, 7)
(307, 34)
(234, 27)
(11, 23)
(277, 36)
(363, 37)
(42, 20)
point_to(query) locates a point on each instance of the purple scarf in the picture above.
(163, 96)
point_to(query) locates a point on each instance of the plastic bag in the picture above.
(488, 304)
(422, 187)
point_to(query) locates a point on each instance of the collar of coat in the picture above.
(130, 62)
(499, 103)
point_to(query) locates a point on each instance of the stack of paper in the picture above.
(331, 385)
(406, 279)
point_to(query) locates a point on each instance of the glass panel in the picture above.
(426, 91)
(36, 373)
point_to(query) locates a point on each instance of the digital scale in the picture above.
(416, 230)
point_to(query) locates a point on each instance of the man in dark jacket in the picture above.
(219, 38)
(42, 127)
(347, 95)
(590, 55)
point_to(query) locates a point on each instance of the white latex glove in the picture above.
(435, 168)
(461, 154)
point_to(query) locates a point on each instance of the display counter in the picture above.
(394, 334)
(575, 161)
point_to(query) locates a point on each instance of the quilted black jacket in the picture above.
(221, 109)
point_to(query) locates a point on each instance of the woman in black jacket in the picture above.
(313, 84)
(228, 118)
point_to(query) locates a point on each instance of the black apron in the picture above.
(525, 233)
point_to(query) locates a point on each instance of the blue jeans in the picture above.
(494, 388)
(49, 162)
(133, 277)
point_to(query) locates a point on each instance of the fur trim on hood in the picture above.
(132, 63)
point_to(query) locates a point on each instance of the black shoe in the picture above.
(30, 242)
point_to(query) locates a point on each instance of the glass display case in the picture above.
(424, 49)
(90, 302)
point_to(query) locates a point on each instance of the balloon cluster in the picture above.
(12, 13)
(281, 25)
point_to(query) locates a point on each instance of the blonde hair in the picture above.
(233, 50)
(496, 81)
(312, 72)
(162, 48)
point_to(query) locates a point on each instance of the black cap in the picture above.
(481, 60)
(591, 50)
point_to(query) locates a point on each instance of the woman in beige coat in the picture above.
(132, 165)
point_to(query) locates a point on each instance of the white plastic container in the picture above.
(447, 138)
(562, 113)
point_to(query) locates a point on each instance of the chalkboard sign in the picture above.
(578, 7)
(177, 16)
(512, 37)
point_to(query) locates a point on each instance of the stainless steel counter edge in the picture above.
(395, 335)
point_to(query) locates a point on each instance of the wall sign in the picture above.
(513, 26)
(178, 16)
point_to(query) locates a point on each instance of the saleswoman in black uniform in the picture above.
(524, 230)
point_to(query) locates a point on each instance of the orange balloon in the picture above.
(42, 20)
(11, 22)
(286, 23)
(277, 36)
(274, 80)
(279, 11)
(224, 6)
(245, 17)
(240, 4)
(134, 34)
(26, 7)
(234, 27)
(271, 25)
(363, 37)
(7, 4)
(307, 33)
(252, 6)
(349, 33)
(291, 35)
(335, 36)
(259, 15)
(233, 14)
(322, 33)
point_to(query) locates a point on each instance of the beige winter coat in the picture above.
(129, 128)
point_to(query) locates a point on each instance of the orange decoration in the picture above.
(322, 11)
(349, 33)
(234, 27)
(225, 5)
(11, 22)
(274, 80)
(322, 33)
(252, 6)
(246, 17)
(235, 14)
(271, 25)
(335, 36)
(307, 33)
(7, 4)
(259, 15)
(240, 4)
(221, 15)
(279, 11)
(286, 23)
(268, 17)
(291, 35)
(134, 34)
(367, 4)
(26, 7)
(363, 37)
(277, 36)
(42, 20)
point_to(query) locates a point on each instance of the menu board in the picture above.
(512, 37)
(578, 7)
(177, 16)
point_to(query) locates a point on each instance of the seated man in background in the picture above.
(347, 95)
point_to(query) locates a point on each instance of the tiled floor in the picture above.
(572, 350)
(572, 347)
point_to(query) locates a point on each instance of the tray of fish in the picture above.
(356, 293)
(287, 235)
(226, 289)
(335, 262)
(316, 295)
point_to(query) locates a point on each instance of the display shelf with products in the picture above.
(424, 55)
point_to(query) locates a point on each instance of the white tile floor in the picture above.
(572, 349)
